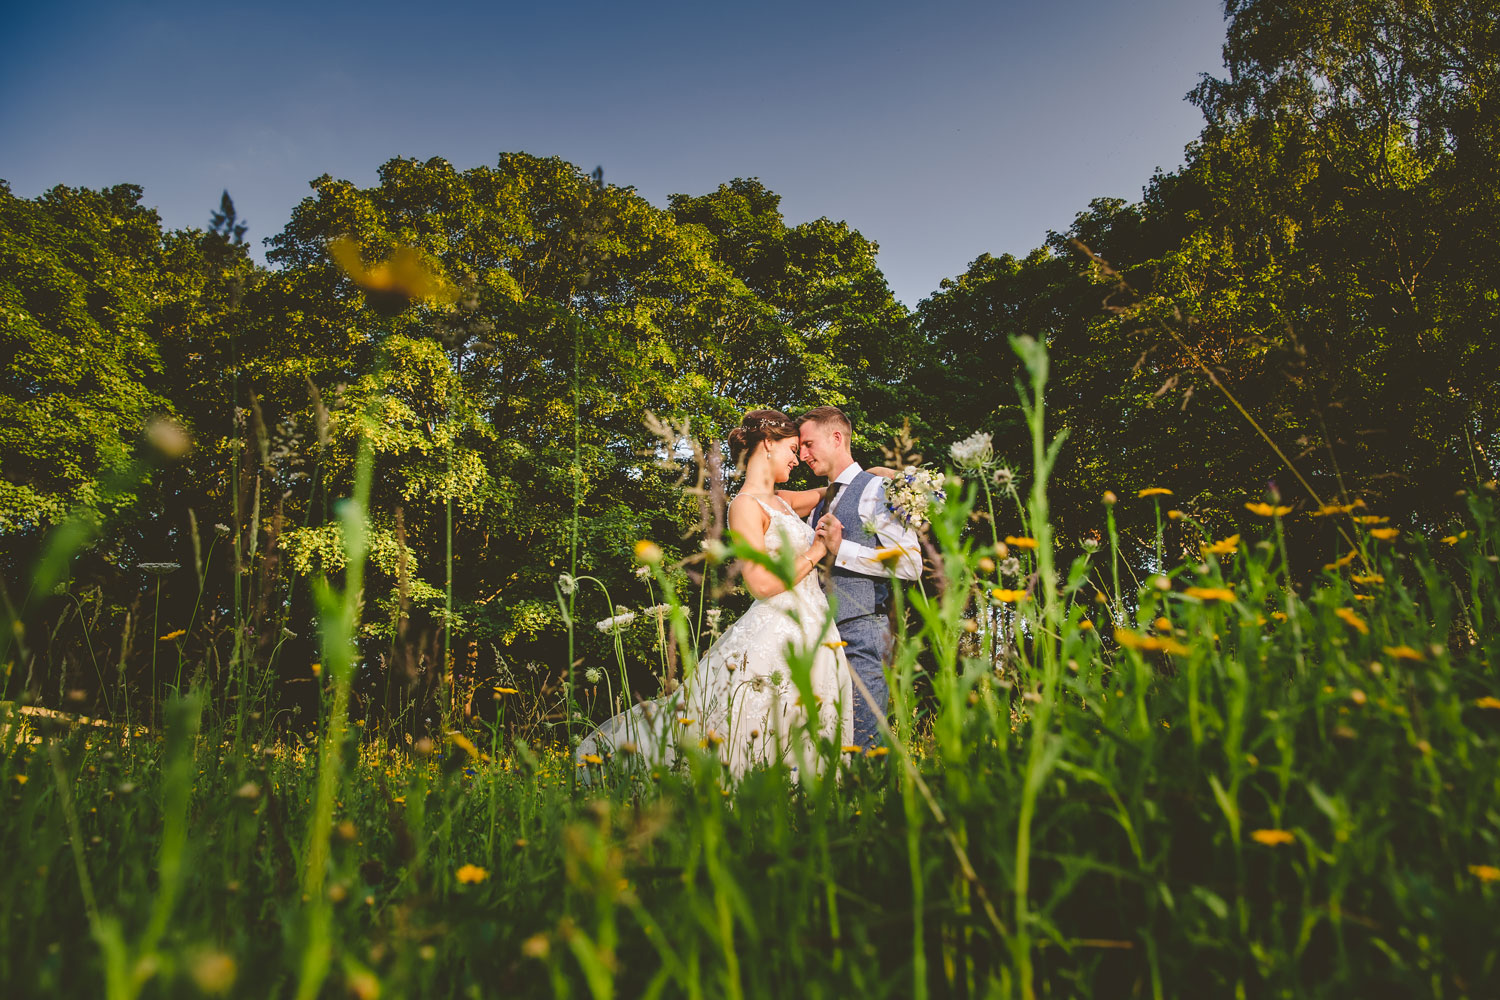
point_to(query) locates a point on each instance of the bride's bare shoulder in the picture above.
(746, 511)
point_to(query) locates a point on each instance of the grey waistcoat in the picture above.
(854, 594)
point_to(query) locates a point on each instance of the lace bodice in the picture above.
(788, 531)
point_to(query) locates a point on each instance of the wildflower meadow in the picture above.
(1210, 776)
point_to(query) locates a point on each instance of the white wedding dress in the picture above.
(741, 701)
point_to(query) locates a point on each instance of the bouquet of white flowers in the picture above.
(912, 493)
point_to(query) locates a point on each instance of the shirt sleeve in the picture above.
(889, 532)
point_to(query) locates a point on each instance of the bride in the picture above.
(741, 701)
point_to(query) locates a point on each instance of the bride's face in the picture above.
(782, 456)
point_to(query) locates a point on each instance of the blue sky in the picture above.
(941, 130)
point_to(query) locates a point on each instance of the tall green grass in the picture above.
(1221, 784)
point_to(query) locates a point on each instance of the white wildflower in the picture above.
(592, 675)
(566, 583)
(159, 568)
(713, 615)
(641, 572)
(618, 623)
(1005, 478)
(715, 550)
(973, 452)
(1010, 566)
(223, 530)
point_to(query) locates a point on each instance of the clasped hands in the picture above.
(830, 531)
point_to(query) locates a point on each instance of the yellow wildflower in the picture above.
(851, 748)
(1005, 596)
(472, 874)
(1020, 543)
(1485, 873)
(317, 669)
(1267, 510)
(1149, 643)
(836, 645)
(592, 758)
(1109, 498)
(1329, 509)
(647, 552)
(1341, 562)
(395, 282)
(1384, 534)
(1353, 619)
(212, 972)
(1174, 515)
(21, 779)
(500, 690)
(684, 720)
(1085, 625)
(1368, 578)
(887, 556)
(1404, 653)
(1453, 539)
(1154, 491)
(1279, 615)
(1210, 593)
(465, 744)
(1371, 519)
(877, 751)
(1223, 547)
(1488, 701)
(174, 635)
(1162, 624)
(1272, 838)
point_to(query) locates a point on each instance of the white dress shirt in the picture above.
(885, 526)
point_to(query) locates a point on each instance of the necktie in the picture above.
(830, 497)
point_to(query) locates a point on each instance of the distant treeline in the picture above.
(1316, 289)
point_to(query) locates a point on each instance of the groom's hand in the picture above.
(831, 530)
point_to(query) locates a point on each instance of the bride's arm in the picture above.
(747, 520)
(801, 501)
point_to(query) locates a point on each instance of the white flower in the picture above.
(616, 624)
(1005, 478)
(713, 615)
(223, 530)
(1010, 566)
(566, 583)
(1090, 545)
(659, 611)
(715, 550)
(641, 572)
(973, 452)
(592, 675)
(159, 568)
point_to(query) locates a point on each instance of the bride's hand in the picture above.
(831, 531)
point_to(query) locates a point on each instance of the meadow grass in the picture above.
(1223, 783)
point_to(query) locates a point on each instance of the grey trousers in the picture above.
(869, 650)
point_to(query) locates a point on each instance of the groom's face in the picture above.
(819, 447)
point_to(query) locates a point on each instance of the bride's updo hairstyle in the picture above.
(758, 426)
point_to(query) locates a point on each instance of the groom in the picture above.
(858, 582)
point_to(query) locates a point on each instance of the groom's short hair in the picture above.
(825, 415)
